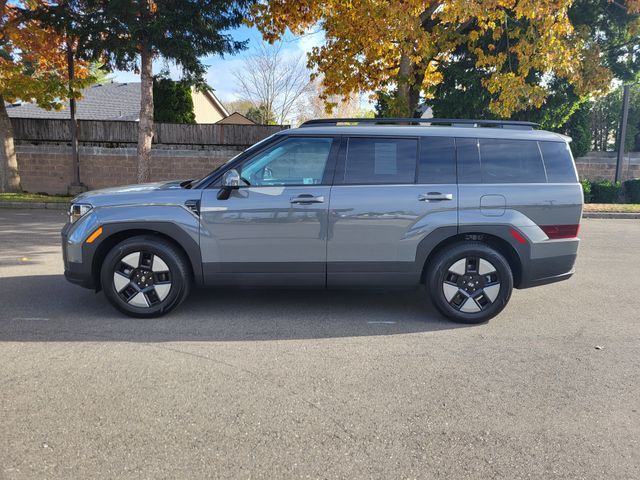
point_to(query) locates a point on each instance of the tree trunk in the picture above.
(73, 124)
(9, 177)
(408, 95)
(145, 126)
(403, 96)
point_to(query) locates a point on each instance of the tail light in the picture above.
(560, 231)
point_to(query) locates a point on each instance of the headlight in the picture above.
(78, 210)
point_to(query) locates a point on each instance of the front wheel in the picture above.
(469, 282)
(145, 276)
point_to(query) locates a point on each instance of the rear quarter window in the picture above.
(511, 161)
(558, 162)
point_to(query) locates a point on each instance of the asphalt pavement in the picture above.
(319, 384)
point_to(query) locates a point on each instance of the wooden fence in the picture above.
(122, 132)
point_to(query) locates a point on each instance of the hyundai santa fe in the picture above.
(468, 208)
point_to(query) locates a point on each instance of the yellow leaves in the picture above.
(517, 41)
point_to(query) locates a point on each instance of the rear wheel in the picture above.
(145, 277)
(469, 282)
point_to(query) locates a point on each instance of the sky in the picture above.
(220, 70)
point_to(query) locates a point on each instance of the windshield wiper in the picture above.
(187, 183)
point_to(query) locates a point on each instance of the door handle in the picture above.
(306, 199)
(435, 197)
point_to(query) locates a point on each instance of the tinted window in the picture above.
(380, 160)
(511, 161)
(468, 160)
(558, 162)
(294, 161)
(437, 160)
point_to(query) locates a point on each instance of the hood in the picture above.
(126, 193)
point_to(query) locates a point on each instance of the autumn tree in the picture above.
(405, 45)
(33, 67)
(73, 21)
(135, 32)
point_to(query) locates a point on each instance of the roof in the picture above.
(237, 119)
(428, 131)
(110, 101)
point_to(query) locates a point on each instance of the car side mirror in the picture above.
(230, 181)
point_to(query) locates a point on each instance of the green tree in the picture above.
(137, 31)
(173, 101)
(261, 115)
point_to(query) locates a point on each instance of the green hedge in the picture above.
(632, 190)
(586, 188)
(606, 191)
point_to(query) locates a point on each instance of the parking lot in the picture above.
(318, 384)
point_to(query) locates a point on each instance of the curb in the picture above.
(618, 215)
(36, 205)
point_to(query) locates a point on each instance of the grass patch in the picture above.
(612, 207)
(33, 197)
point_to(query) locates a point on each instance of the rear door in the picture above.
(389, 193)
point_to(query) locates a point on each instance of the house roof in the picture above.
(109, 101)
(237, 119)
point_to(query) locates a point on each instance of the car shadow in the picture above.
(48, 308)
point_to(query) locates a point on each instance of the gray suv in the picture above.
(469, 208)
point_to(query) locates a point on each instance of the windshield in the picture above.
(255, 146)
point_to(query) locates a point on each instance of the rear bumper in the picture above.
(550, 262)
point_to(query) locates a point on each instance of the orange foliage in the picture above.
(33, 62)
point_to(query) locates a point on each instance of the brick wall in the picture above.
(602, 166)
(48, 168)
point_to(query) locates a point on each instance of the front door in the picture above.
(273, 229)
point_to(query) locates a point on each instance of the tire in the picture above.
(469, 282)
(145, 276)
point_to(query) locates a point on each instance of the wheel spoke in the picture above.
(139, 300)
(162, 290)
(459, 267)
(492, 291)
(120, 280)
(449, 291)
(470, 306)
(133, 259)
(485, 267)
(158, 265)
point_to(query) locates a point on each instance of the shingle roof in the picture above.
(111, 101)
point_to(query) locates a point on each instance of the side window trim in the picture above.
(329, 167)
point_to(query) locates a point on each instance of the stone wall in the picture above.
(48, 168)
(602, 166)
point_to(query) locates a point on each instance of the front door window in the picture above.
(294, 161)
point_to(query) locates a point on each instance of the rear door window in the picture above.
(380, 160)
(511, 161)
(437, 160)
(558, 162)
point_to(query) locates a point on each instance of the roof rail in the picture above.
(454, 122)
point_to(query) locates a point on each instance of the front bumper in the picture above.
(77, 269)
